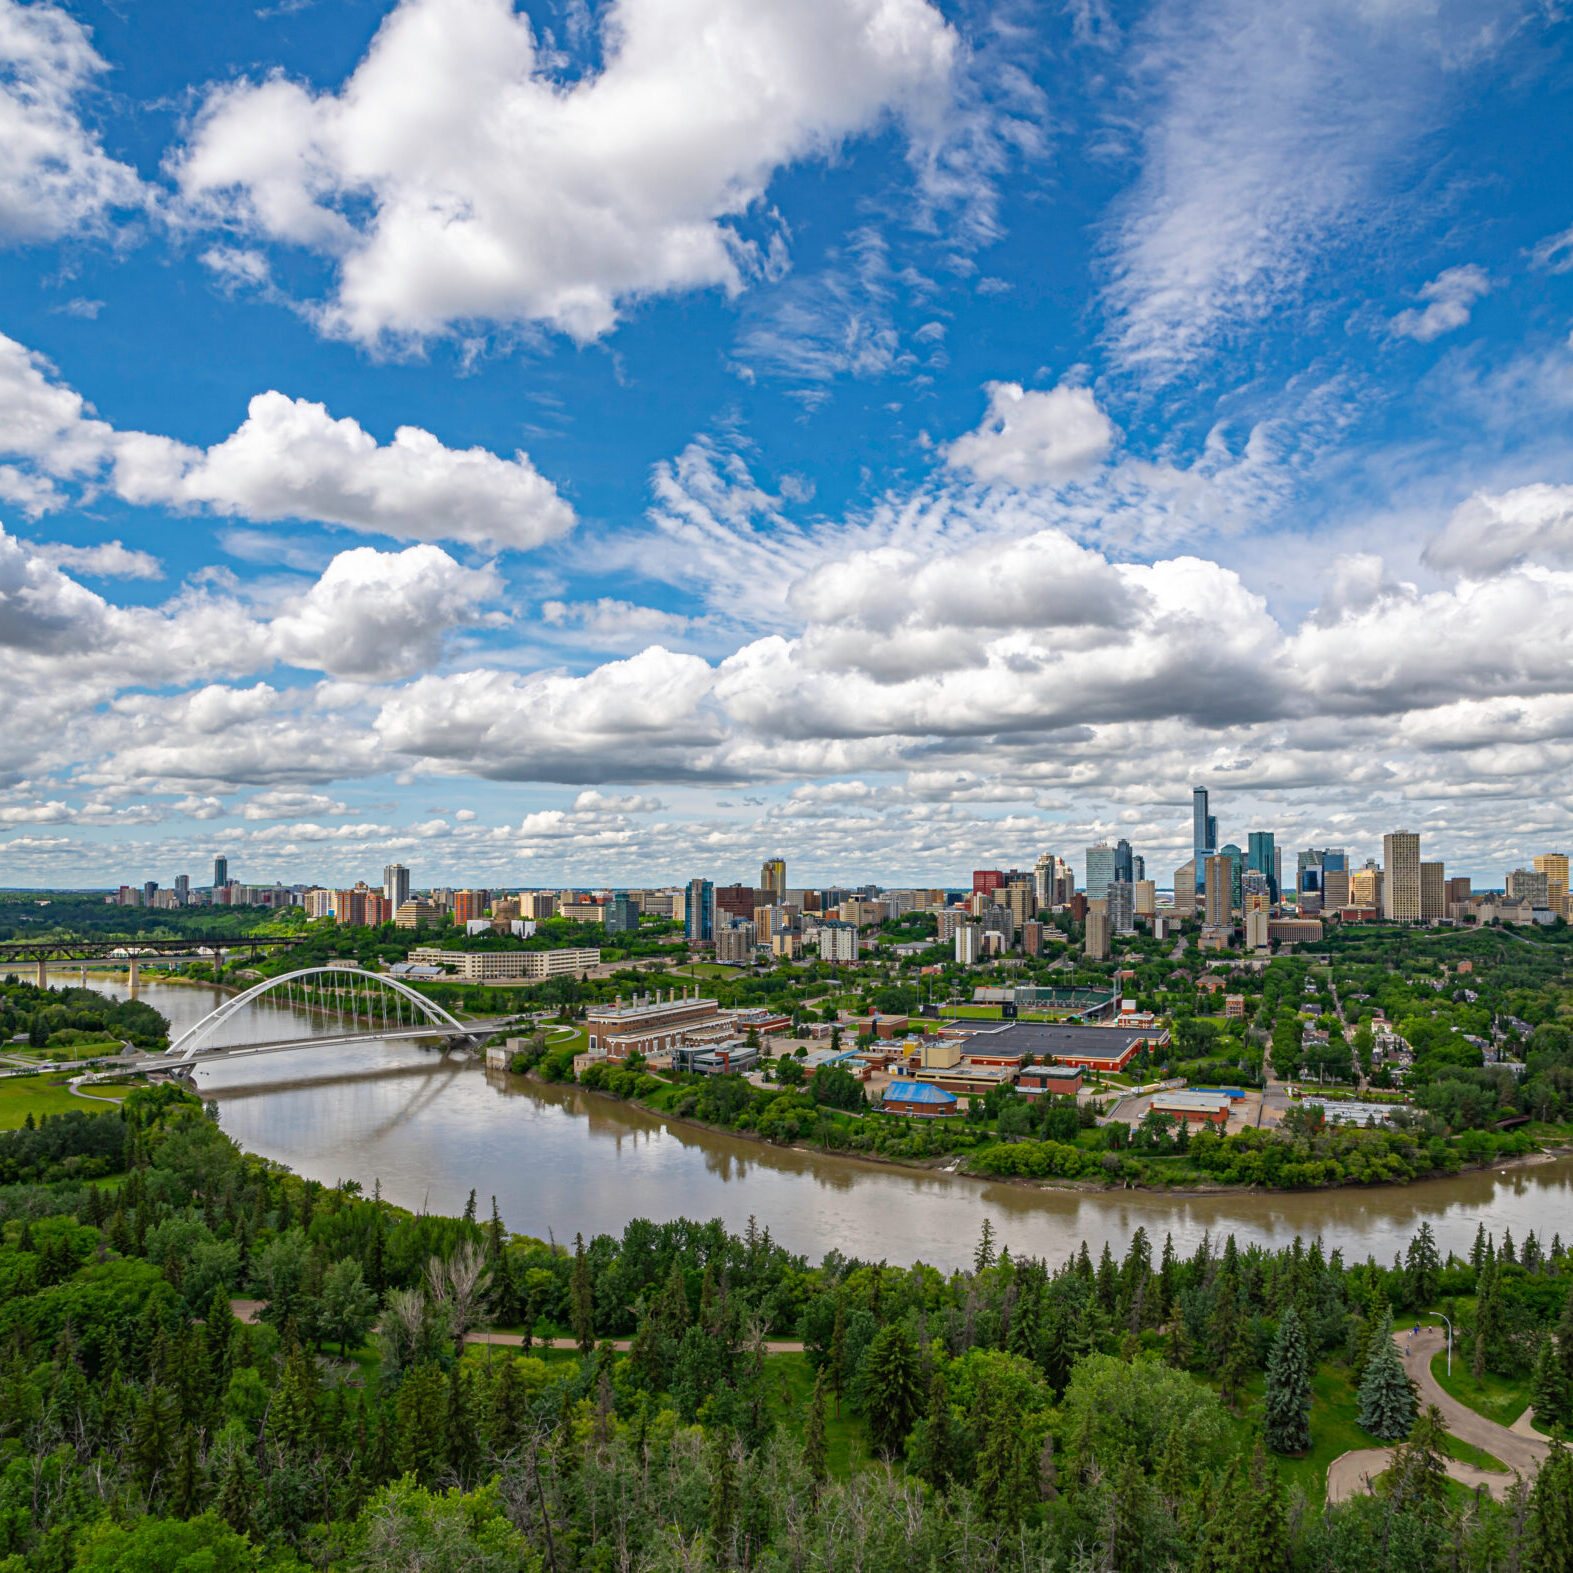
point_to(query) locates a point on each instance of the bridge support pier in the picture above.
(84, 974)
(43, 973)
(136, 973)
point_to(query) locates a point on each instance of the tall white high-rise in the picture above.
(396, 884)
(1044, 873)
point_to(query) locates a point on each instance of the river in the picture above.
(559, 1160)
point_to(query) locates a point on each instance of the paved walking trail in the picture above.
(517, 1341)
(1519, 1448)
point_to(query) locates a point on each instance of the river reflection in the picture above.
(432, 1127)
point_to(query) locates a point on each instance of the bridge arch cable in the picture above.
(327, 990)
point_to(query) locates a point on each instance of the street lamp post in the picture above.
(1449, 1340)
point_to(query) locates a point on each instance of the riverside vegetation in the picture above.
(1150, 1412)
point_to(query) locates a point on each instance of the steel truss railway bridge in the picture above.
(46, 953)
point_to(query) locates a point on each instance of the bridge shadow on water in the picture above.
(430, 1079)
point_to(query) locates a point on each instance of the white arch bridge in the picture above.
(366, 1005)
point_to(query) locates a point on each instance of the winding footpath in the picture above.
(1519, 1447)
(516, 1341)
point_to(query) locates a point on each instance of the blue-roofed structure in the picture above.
(918, 1098)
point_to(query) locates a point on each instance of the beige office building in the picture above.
(1097, 946)
(1185, 887)
(500, 966)
(1401, 877)
(1554, 865)
(1335, 889)
(1365, 888)
(1433, 892)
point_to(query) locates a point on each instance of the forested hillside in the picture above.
(1150, 1411)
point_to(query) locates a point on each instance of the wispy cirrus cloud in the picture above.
(1268, 136)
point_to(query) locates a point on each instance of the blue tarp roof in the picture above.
(917, 1092)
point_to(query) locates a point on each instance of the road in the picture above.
(1521, 1452)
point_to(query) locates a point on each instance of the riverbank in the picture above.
(956, 1164)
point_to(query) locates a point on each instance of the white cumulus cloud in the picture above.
(289, 459)
(455, 177)
(1034, 437)
(381, 615)
(1493, 531)
(55, 177)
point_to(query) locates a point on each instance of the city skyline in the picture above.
(1100, 865)
(910, 467)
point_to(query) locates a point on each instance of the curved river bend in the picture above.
(559, 1160)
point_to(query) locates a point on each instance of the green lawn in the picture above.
(1468, 1453)
(39, 1095)
(1498, 1398)
(790, 1381)
(1334, 1429)
(80, 1051)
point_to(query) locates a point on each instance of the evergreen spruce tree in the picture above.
(1565, 1362)
(1548, 1543)
(1288, 1401)
(422, 1448)
(376, 1251)
(1237, 1361)
(723, 1496)
(185, 1489)
(1003, 1470)
(983, 1257)
(1545, 1387)
(1173, 1469)
(1257, 1538)
(1387, 1400)
(837, 1364)
(816, 1448)
(153, 1439)
(459, 1423)
(237, 1492)
(939, 1440)
(1417, 1476)
(510, 1407)
(1423, 1266)
(581, 1300)
(890, 1387)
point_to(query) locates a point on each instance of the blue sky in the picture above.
(608, 444)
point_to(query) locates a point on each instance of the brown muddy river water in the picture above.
(559, 1160)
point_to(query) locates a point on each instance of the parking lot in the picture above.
(1243, 1112)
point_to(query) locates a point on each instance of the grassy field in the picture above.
(1468, 1453)
(39, 1095)
(79, 1051)
(790, 1381)
(1334, 1429)
(1496, 1397)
